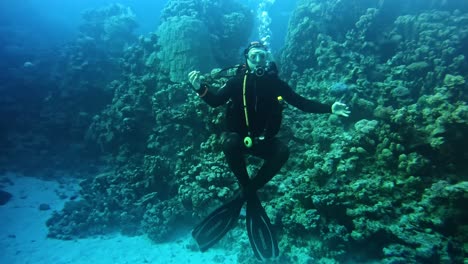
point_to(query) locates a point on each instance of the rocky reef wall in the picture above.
(388, 184)
(214, 30)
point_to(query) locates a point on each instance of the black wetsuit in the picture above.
(265, 115)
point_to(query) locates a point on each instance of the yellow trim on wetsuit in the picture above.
(245, 102)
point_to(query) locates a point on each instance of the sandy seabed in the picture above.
(23, 233)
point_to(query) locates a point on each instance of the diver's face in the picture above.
(257, 58)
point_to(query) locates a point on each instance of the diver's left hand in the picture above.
(338, 108)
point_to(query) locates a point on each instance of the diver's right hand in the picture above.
(195, 80)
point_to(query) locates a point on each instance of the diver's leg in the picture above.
(233, 148)
(275, 153)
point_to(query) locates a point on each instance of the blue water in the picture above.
(49, 22)
(33, 24)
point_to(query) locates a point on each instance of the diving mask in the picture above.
(257, 60)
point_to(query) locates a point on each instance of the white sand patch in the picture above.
(23, 234)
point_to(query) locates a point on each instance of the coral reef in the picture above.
(155, 179)
(124, 200)
(386, 185)
(214, 30)
(382, 182)
(178, 56)
(65, 88)
(109, 28)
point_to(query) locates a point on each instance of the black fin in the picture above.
(218, 223)
(260, 231)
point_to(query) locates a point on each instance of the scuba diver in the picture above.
(254, 117)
